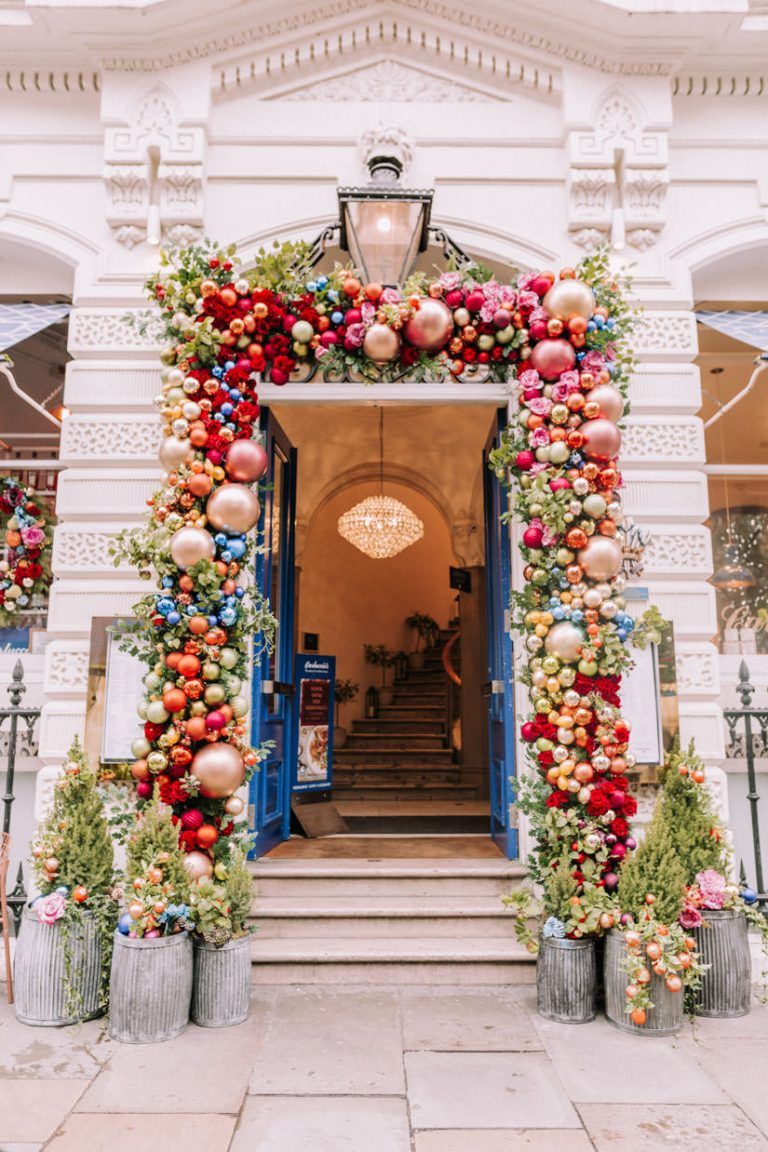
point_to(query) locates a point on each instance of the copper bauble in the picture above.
(234, 805)
(233, 509)
(551, 358)
(381, 343)
(198, 865)
(570, 298)
(601, 558)
(564, 640)
(246, 461)
(189, 545)
(219, 768)
(609, 401)
(429, 327)
(602, 440)
(174, 452)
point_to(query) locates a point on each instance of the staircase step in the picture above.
(398, 757)
(363, 879)
(418, 726)
(397, 916)
(410, 742)
(363, 791)
(388, 782)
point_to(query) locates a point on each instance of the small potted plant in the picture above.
(427, 630)
(344, 691)
(220, 906)
(381, 657)
(151, 986)
(64, 948)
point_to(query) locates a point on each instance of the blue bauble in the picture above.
(235, 394)
(167, 581)
(312, 285)
(227, 616)
(748, 895)
(237, 548)
(239, 592)
(124, 924)
(621, 633)
(322, 281)
(558, 613)
(229, 365)
(218, 372)
(63, 890)
(213, 620)
(337, 317)
(164, 605)
(173, 618)
(226, 556)
(226, 409)
(220, 539)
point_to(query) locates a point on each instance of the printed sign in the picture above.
(314, 680)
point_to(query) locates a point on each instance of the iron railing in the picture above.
(17, 738)
(748, 740)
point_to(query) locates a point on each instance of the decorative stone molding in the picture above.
(84, 549)
(94, 439)
(93, 494)
(678, 441)
(697, 669)
(60, 722)
(667, 387)
(389, 82)
(666, 335)
(114, 332)
(674, 551)
(689, 605)
(386, 140)
(703, 723)
(666, 496)
(74, 603)
(66, 668)
(592, 192)
(118, 386)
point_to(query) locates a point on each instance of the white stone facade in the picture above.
(541, 127)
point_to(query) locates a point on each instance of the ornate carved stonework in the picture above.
(671, 333)
(107, 331)
(677, 441)
(678, 552)
(467, 543)
(66, 670)
(390, 82)
(387, 140)
(109, 439)
(697, 673)
(76, 551)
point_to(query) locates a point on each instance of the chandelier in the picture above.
(380, 526)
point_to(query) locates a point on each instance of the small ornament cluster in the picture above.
(26, 567)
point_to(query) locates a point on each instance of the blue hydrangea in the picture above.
(553, 928)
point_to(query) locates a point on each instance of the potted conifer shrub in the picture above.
(151, 985)
(381, 657)
(344, 691)
(219, 909)
(426, 630)
(64, 948)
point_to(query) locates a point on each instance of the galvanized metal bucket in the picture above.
(151, 988)
(726, 986)
(39, 971)
(566, 980)
(666, 1016)
(221, 995)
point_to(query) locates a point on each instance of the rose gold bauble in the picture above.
(189, 545)
(609, 400)
(219, 768)
(246, 461)
(601, 558)
(174, 452)
(234, 805)
(381, 343)
(564, 641)
(602, 440)
(429, 328)
(570, 298)
(198, 865)
(551, 358)
(233, 508)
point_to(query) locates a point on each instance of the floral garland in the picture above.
(25, 571)
(561, 451)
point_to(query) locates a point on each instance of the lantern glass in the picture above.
(383, 235)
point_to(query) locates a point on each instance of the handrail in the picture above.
(450, 671)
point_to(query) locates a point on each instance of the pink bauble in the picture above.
(198, 865)
(474, 301)
(570, 298)
(602, 440)
(551, 358)
(381, 343)
(532, 537)
(601, 558)
(246, 461)
(215, 721)
(189, 545)
(559, 483)
(430, 328)
(144, 789)
(525, 460)
(219, 768)
(233, 508)
(609, 400)
(192, 819)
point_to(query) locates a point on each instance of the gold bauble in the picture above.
(564, 640)
(430, 326)
(198, 865)
(601, 559)
(233, 509)
(220, 769)
(381, 343)
(173, 452)
(189, 545)
(570, 298)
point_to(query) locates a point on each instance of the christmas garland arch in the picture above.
(25, 569)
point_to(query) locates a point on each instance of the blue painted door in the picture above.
(499, 690)
(272, 690)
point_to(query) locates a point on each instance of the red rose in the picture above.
(598, 804)
(620, 827)
(558, 799)
(188, 840)
(629, 807)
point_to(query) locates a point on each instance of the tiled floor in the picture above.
(363, 1069)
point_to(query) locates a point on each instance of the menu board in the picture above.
(641, 704)
(314, 681)
(123, 692)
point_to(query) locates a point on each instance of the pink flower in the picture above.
(529, 379)
(391, 296)
(526, 301)
(355, 335)
(539, 438)
(571, 380)
(368, 312)
(33, 537)
(712, 887)
(690, 917)
(560, 391)
(540, 405)
(526, 280)
(50, 908)
(593, 362)
(450, 280)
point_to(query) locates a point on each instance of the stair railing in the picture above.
(454, 682)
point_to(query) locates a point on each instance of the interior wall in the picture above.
(350, 599)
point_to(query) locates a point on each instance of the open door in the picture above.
(499, 689)
(272, 685)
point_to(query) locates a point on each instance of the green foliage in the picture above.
(284, 268)
(154, 843)
(654, 868)
(425, 626)
(239, 885)
(559, 889)
(691, 817)
(649, 629)
(343, 692)
(220, 907)
(380, 657)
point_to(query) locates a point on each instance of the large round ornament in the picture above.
(381, 343)
(189, 545)
(219, 768)
(198, 865)
(565, 640)
(602, 440)
(174, 451)
(570, 298)
(246, 461)
(430, 326)
(551, 358)
(609, 400)
(601, 559)
(233, 508)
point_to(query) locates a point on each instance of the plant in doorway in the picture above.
(381, 657)
(427, 631)
(220, 906)
(344, 692)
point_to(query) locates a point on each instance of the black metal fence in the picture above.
(17, 737)
(748, 740)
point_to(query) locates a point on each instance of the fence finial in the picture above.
(744, 688)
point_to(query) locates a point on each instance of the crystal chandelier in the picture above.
(380, 526)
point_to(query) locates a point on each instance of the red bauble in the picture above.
(192, 819)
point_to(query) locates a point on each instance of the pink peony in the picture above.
(529, 380)
(690, 917)
(527, 300)
(712, 887)
(593, 362)
(33, 537)
(391, 296)
(449, 280)
(50, 908)
(539, 438)
(355, 336)
(540, 405)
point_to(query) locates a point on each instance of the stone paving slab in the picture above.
(741, 1067)
(323, 1124)
(52, 1053)
(469, 1021)
(32, 1110)
(661, 1127)
(127, 1132)
(504, 1140)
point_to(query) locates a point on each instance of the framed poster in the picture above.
(115, 689)
(314, 704)
(641, 691)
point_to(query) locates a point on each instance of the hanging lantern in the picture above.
(732, 575)
(371, 704)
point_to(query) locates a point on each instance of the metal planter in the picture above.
(39, 971)
(221, 995)
(566, 980)
(666, 1016)
(151, 988)
(726, 986)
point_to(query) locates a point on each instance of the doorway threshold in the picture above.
(387, 848)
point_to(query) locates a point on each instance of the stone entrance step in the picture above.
(418, 725)
(403, 757)
(385, 741)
